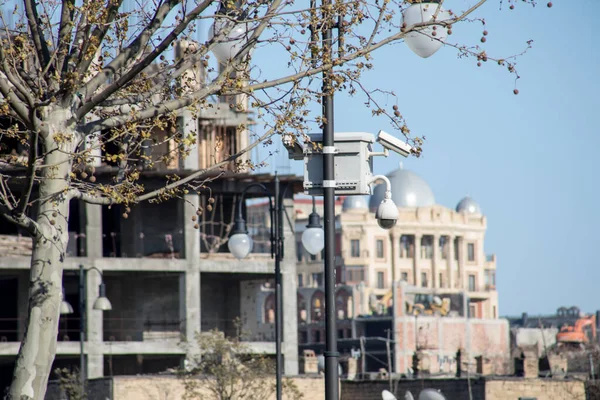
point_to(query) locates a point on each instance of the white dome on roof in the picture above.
(408, 190)
(354, 202)
(468, 206)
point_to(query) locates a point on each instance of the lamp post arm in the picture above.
(388, 185)
(96, 269)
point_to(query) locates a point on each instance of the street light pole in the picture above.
(82, 318)
(331, 352)
(101, 303)
(240, 245)
(278, 217)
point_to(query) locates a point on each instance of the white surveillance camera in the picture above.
(387, 213)
(394, 144)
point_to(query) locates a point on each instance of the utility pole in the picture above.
(331, 351)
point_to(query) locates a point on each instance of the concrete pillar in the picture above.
(451, 280)
(94, 327)
(189, 284)
(188, 125)
(93, 230)
(416, 260)
(434, 262)
(289, 288)
(94, 320)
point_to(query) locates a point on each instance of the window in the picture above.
(427, 247)
(317, 279)
(444, 247)
(300, 280)
(355, 274)
(355, 248)
(472, 286)
(441, 280)
(317, 336)
(404, 276)
(424, 279)
(406, 247)
(379, 244)
(299, 249)
(340, 333)
(303, 337)
(380, 280)
(471, 251)
(313, 257)
(490, 279)
(472, 311)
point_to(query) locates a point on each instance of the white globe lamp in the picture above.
(240, 245)
(425, 42)
(231, 44)
(313, 238)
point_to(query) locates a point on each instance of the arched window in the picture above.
(269, 309)
(317, 306)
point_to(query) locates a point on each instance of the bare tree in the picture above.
(85, 81)
(225, 369)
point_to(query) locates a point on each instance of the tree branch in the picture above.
(77, 194)
(23, 92)
(201, 172)
(22, 220)
(65, 31)
(19, 107)
(130, 53)
(37, 34)
(97, 36)
(145, 62)
(30, 178)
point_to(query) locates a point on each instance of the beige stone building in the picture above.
(431, 246)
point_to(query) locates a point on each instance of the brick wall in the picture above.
(170, 387)
(540, 389)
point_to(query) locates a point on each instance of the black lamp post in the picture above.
(240, 245)
(331, 351)
(102, 303)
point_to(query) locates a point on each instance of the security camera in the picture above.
(394, 144)
(387, 212)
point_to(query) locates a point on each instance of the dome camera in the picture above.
(387, 213)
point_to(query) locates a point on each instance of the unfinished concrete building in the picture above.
(166, 279)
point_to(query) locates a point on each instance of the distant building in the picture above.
(432, 251)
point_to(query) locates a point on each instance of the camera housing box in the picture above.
(352, 160)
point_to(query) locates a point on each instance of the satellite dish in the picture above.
(408, 396)
(431, 394)
(387, 395)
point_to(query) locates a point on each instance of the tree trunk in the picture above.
(38, 347)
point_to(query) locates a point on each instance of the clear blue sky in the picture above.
(527, 159)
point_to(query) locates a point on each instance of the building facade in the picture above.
(433, 253)
(166, 267)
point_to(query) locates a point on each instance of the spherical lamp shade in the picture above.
(424, 42)
(313, 240)
(240, 245)
(232, 43)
